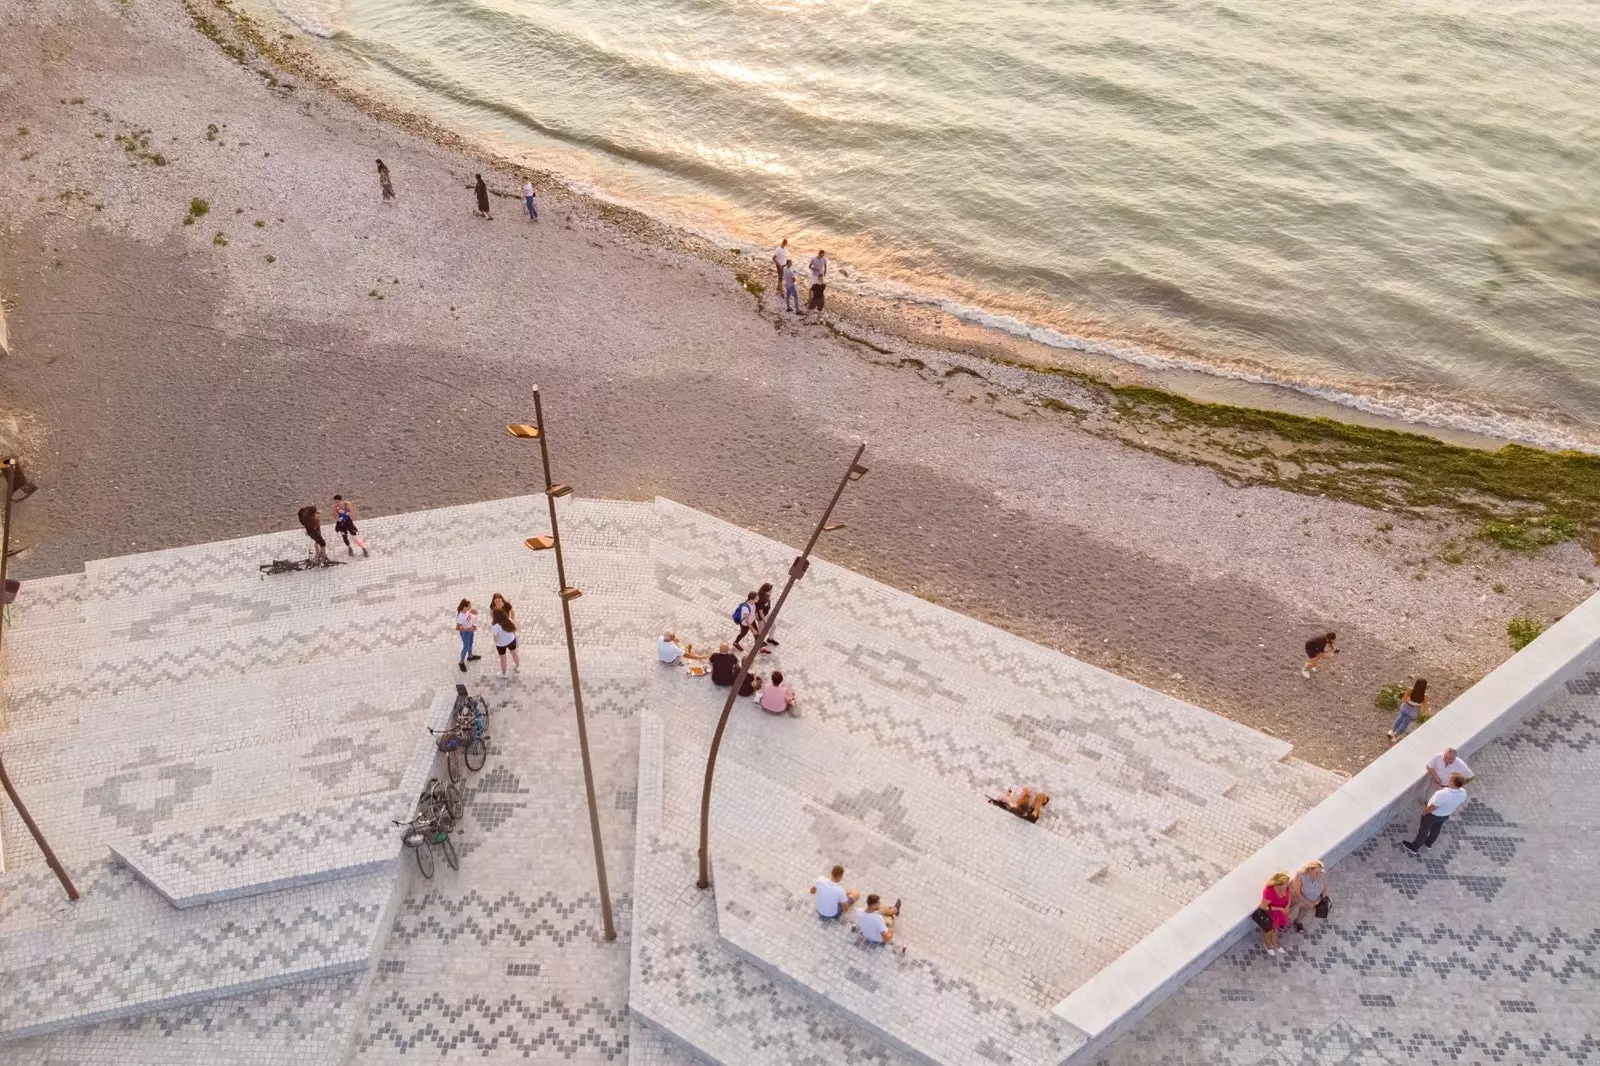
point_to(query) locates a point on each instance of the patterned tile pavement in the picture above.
(1484, 950)
(226, 725)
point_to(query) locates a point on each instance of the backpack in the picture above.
(741, 613)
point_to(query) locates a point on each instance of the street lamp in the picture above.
(19, 488)
(567, 594)
(797, 570)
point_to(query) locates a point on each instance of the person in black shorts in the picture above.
(344, 524)
(1317, 651)
(312, 521)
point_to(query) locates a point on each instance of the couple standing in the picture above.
(786, 279)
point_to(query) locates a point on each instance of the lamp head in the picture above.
(524, 431)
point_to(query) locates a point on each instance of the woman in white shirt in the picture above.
(505, 640)
(466, 625)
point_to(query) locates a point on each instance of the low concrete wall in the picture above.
(1118, 996)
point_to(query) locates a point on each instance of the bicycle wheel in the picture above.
(480, 707)
(450, 854)
(424, 856)
(452, 763)
(477, 752)
(453, 804)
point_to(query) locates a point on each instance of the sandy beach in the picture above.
(175, 382)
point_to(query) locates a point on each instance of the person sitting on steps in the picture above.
(875, 923)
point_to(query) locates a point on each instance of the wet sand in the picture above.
(171, 386)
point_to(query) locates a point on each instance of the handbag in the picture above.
(1263, 918)
(1324, 905)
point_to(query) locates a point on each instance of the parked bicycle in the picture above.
(285, 566)
(439, 796)
(465, 743)
(426, 832)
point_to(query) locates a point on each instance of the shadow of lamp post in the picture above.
(567, 594)
(797, 570)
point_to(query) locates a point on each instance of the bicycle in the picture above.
(439, 796)
(472, 713)
(424, 833)
(286, 566)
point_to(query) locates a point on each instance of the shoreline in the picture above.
(177, 382)
(927, 317)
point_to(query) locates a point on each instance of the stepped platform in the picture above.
(910, 716)
(218, 757)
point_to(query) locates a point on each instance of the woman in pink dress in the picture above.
(1275, 901)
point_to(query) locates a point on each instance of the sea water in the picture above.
(1394, 205)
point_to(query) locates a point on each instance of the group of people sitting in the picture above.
(1026, 803)
(774, 694)
(875, 922)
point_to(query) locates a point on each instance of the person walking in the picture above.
(764, 608)
(505, 640)
(1441, 806)
(1275, 901)
(1308, 894)
(1317, 650)
(744, 616)
(780, 259)
(819, 280)
(311, 521)
(530, 202)
(482, 192)
(791, 293)
(344, 524)
(467, 626)
(1412, 704)
(384, 183)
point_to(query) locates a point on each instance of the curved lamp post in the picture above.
(797, 570)
(567, 594)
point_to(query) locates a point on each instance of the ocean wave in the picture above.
(317, 17)
(1385, 401)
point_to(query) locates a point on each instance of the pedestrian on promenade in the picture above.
(744, 616)
(780, 259)
(482, 192)
(499, 603)
(505, 640)
(1448, 763)
(384, 183)
(311, 520)
(467, 626)
(876, 924)
(1275, 904)
(833, 899)
(1308, 894)
(669, 651)
(1441, 806)
(530, 201)
(1317, 650)
(1412, 704)
(724, 666)
(344, 524)
(764, 608)
(777, 697)
(791, 294)
(819, 280)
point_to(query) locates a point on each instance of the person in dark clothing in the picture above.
(384, 183)
(1317, 651)
(482, 192)
(764, 608)
(724, 666)
(752, 684)
(312, 521)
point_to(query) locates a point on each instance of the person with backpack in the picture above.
(744, 616)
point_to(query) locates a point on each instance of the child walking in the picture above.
(344, 524)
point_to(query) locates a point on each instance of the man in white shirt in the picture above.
(819, 281)
(833, 899)
(669, 651)
(530, 202)
(780, 259)
(1442, 765)
(1445, 802)
(876, 924)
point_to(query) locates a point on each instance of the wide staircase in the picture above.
(218, 756)
(911, 715)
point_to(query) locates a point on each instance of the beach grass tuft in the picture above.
(1523, 631)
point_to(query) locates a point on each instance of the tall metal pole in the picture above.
(572, 660)
(797, 570)
(38, 837)
(5, 780)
